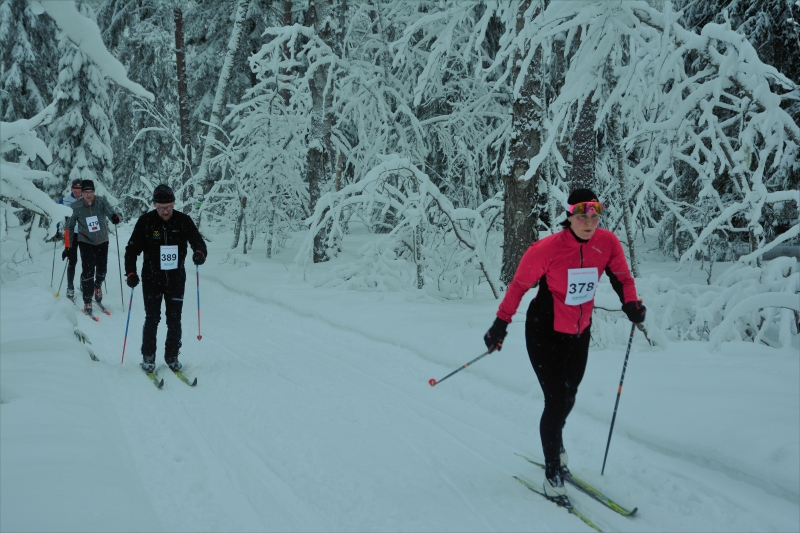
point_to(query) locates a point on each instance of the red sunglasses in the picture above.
(586, 207)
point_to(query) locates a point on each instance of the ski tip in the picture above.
(161, 384)
(194, 382)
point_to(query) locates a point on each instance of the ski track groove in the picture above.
(222, 451)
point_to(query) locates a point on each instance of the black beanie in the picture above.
(87, 185)
(581, 195)
(163, 194)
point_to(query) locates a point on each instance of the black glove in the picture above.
(494, 337)
(115, 219)
(635, 311)
(65, 254)
(132, 279)
(198, 257)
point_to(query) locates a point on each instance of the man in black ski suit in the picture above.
(162, 234)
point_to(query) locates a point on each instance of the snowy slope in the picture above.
(313, 413)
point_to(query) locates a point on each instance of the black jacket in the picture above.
(150, 233)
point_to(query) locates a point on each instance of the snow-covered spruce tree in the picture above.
(447, 246)
(510, 101)
(687, 114)
(17, 179)
(372, 98)
(219, 39)
(268, 152)
(441, 55)
(28, 61)
(659, 111)
(144, 140)
(773, 28)
(80, 140)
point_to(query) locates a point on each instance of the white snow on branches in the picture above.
(447, 244)
(16, 179)
(85, 34)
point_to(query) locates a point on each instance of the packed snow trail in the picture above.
(299, 424)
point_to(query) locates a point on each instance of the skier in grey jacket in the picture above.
(92, 237)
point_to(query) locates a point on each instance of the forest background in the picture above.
(449, 129)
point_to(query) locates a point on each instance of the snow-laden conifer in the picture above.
(80, 139)
(144, 135)
(28, 57)
(18, 180)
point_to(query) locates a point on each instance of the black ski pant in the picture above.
(94, 262)
(559, 360)
(171, 292)
(72, 262)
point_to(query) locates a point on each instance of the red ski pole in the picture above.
(432, 382)
(197, 268)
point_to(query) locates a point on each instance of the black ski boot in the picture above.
(149, 363)
(554, 482)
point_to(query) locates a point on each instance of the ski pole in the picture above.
(119, 263)
(197, 269)
(432, 382)
(62, 279)
(126, 327)
(52, 272)
(619, 392)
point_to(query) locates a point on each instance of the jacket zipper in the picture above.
(166, 243)
(91, 214)
(580, 307)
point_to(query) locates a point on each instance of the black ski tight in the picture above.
(94, 262)
(172, 294)
(559, 360)
(72, 261)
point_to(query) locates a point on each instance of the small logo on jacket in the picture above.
(156, 234)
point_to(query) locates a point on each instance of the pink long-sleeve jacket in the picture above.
(568, 271)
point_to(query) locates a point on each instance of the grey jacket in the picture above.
(95, 215)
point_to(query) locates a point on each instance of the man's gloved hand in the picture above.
(115, 219)
(494, 337)
(64, 254)
(198, 257)
(635, 311)
(132, 279)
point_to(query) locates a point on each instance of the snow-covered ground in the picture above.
(313, 413)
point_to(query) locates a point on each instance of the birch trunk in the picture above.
(222, 90)
(321, 13)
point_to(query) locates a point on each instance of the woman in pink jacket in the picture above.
(567, 266)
